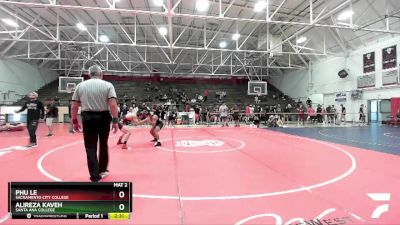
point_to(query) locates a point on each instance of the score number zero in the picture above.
(121, 194)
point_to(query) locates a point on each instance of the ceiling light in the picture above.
(10, 22)
(345, 15)
(104, 38)
(260, 6)
(202, 5)
(235, 37)
(223, 44)
(163, 31)
(301, 40)
(81, 27)
(158, 2)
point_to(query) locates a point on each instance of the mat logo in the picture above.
(380, 197)
(319, 220)
(199, 143)
(4, 151)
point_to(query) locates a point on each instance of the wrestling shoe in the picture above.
(31, 145)
(104, 174)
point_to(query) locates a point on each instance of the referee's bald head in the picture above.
(95, 71)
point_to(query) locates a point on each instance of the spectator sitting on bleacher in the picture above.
(274, 97)
(278, 108)
(256, 99)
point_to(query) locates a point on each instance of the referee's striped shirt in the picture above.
(94, 94)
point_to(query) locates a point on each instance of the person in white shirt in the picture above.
(223, 110)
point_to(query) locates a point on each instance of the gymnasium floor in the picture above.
(228, 175)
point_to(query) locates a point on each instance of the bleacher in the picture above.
(141, 90)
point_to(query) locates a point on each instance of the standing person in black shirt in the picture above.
(197, 114)
(35, 112)
(343, 113)
(319, 115)
(51, 114)
(361, 119)
(235, 115)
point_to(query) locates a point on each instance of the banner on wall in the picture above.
(389, 57)
(390, 77)
(369, 62)
(365, 81)
(340, 96)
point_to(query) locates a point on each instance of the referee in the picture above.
(96, 98)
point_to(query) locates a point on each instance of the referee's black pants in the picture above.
(96, 126)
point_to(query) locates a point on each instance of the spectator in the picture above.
(342, 113)
(251, 110)
(208, 116)
(247, 111)
(328, 112)
(200, 98)
(311, 113)
(56, 101)
(51, 114)
(333, 114)
(300, 111)
(278, 109)
(256, 121)
(256, 100)
(235, 115)
(172, 118)
(205, 95)
(196, 114)
(299, 102)
(223, 110)
(286, 111)
(362, 114)
(319, 111)
(308, 102)
(324, 115)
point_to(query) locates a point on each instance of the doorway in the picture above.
(373, 111)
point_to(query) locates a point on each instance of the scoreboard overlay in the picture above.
(70, 200)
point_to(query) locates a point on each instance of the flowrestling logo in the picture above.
(199, 143)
